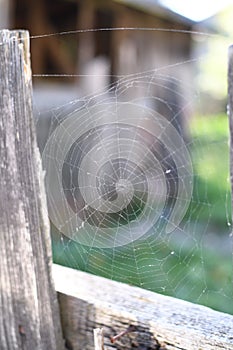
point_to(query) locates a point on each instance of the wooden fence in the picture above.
(30, 317)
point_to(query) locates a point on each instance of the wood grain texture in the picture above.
(161, 322)
(230, 110)
(29, 317)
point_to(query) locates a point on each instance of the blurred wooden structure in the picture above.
(126, 51)
(91, 60)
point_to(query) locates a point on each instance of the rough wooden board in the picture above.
(29, 318)
(163, 322)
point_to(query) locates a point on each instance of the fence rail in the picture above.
(161, 322)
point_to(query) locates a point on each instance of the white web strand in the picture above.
(138, 29)
(119, 180)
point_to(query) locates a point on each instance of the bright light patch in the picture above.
(198, 10)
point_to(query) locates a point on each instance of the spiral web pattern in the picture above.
(116, 178)
(119, 181)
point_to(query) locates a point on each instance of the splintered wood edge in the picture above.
(99, 339)
(176, 323)
(22, 39)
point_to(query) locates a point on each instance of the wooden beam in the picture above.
(86, 44)
(160, 322)
(47, 46)
(29, 317)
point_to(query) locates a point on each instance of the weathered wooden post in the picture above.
(29, 316)
(230, 110)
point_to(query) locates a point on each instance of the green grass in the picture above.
(210, 157)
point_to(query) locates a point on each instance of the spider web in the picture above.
(121, 189)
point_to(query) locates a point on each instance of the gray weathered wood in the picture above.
(230, 109)
(161, 322)
(29, 316)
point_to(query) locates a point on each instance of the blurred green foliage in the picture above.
(210, 157)
(212, 67)
(181, 264)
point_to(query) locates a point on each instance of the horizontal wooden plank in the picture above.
(160, 322)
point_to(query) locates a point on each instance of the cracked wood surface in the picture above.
(29, 316)
(161, 322)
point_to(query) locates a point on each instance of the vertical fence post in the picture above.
(29, 315)
(230, 111)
